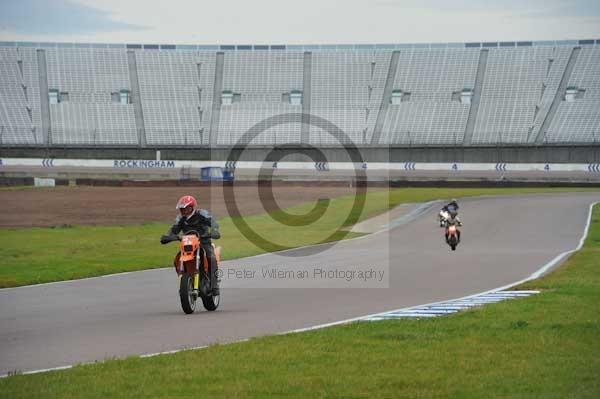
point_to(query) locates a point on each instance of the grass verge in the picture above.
(545, 346)
(40, 255)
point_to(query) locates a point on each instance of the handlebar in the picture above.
(169, 238)
(165, 239)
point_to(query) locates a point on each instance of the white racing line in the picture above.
(375, 316)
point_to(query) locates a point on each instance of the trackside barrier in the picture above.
(38, 182)
(321, 166)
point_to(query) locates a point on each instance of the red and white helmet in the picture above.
(185, 201)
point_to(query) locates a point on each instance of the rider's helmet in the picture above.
(186, 205)
(452, 210)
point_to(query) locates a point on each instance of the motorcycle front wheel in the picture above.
(186, 293)
(453, 242)
(211, 302)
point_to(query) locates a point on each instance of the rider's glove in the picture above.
(166, 239)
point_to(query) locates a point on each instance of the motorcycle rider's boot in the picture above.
(214, 281)
(216, 291)
(214, 284)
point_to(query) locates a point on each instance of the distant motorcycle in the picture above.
(452, 236)
(443, 217)
(192, 267)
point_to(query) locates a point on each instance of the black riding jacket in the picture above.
(445, 207)
(200, 221)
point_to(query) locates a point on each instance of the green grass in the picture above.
(39, 255)
(544, 346)
(18, 188)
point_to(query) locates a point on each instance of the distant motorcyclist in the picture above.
(453, 220)
(201, 221)
(445, 212)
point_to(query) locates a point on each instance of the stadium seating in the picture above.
(19, 103)
(261, 78)
(376, 94)
(346, 90)
(513, 88)
(431, 116)
(90, 115)
(171, 100)
(579, 121)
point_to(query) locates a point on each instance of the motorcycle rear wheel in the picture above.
(186, 293)
(210, 302)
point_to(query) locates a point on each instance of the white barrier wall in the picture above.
(320, 166)
(38, 182)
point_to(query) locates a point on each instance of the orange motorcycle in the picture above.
(192, 267)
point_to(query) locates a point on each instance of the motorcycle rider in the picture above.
(453, 220)
(201, 221)
(445, 211)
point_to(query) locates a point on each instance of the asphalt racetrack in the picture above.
(505, 239)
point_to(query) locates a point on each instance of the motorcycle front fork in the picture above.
(196, 275)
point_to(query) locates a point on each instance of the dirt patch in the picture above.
(59, 206)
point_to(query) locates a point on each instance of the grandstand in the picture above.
(470, 95)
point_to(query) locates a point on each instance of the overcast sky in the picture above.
(297, 22)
